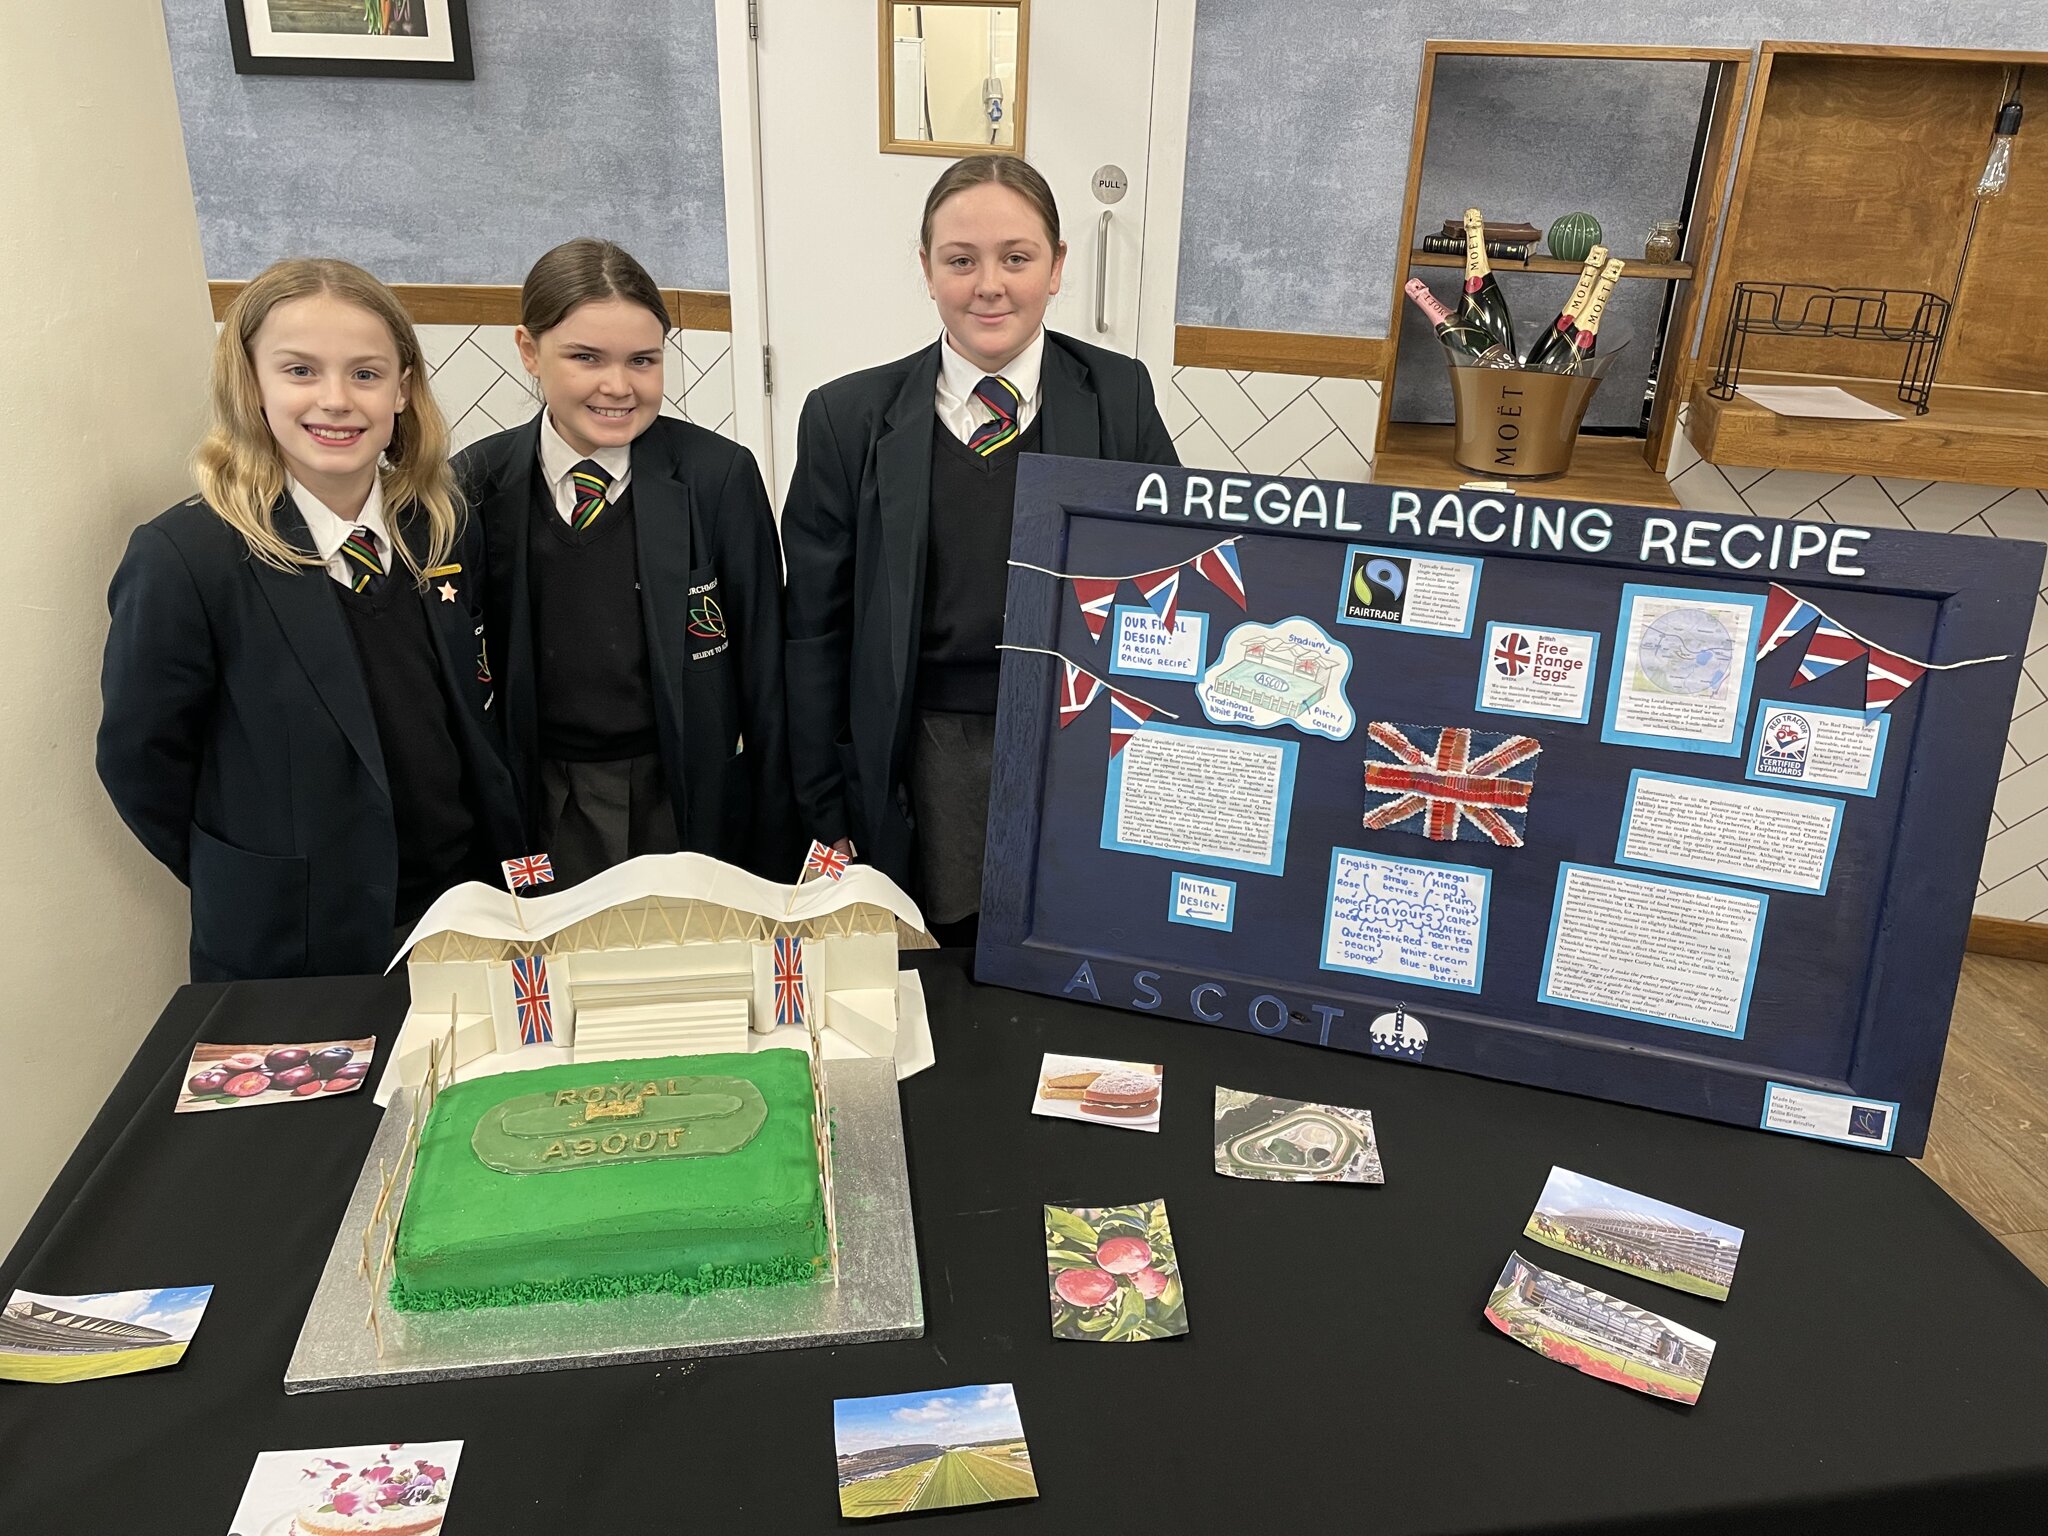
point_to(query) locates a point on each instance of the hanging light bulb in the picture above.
(1998, 164)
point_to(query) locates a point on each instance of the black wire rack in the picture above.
(1903, 316)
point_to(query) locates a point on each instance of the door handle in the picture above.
(1102, 273)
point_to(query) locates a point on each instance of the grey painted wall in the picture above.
(1302, 109)
(583, 119)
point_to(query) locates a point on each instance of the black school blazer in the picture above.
(854, 531)
(238, 743)
(701, 518)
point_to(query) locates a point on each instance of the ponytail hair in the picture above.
(239, 467)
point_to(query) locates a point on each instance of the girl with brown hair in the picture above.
(294, 687)
(897, 532)
(635, 593)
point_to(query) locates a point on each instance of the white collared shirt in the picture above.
(558, 459)
(330, 531)
(954, 398)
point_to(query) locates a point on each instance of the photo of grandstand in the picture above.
(930, 1450)
(107, 1333)
(1597, 1334)
(1637, 1235)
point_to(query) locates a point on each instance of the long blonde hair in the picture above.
(240, 470)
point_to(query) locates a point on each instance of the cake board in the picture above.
(878, 1295)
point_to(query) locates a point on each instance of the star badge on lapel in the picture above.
(447, 590)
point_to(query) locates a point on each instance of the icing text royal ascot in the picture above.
(1700, 543)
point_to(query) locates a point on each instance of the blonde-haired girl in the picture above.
(295, 688)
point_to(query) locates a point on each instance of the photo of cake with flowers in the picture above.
(392, 1496)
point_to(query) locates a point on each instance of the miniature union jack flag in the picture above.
(791, 1005)
(1095, 594)
(1220, 566)
(823, 860)
(1126, 715)
(528, 869)
(1887, 675)
(1831, 646)
(1785, 614)
(1161, 589)
(530, 1000)
(1450, 787)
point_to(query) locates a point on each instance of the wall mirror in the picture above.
(952, 76)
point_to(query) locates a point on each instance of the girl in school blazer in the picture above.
(897, 534)
(295, 694)
(635, 593)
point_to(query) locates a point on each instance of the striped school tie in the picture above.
(360, 550)
(1001, 397)
(591, 485)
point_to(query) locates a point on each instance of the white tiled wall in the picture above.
(481, 388)
(1291, 424)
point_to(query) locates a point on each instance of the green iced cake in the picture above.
(581, 1183)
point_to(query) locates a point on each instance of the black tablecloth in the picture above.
(1882, 1363)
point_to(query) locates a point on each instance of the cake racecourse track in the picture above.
(970, 1475)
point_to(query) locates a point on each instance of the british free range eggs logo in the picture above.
(1376, 587)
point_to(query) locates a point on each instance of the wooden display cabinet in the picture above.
(1858, 170)
(1604, 467)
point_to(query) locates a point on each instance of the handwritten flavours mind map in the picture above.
(1424, 923)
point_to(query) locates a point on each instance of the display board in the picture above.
(1678, 809)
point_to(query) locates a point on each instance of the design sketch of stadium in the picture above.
(105, 1333)
(1635, 1234)
(1259, 1136)
(1287, 673)
(1597, 1334)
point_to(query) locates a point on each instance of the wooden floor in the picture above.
(1988, 1145)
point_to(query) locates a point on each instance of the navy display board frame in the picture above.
(1843, 1017)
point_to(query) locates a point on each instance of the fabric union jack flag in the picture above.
(822, 860)
(529, 869)
(1474, 786)
(791, 1004)
(530, 1000)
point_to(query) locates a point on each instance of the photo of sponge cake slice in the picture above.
(1066, 1085)
(1123, 1094)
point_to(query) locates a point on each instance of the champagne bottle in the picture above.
(1484, 305)
(1586, 329)
(1555, 344)
(1455, 333)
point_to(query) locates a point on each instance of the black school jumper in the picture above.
(701, 530)
(856, 531)
(240, 742)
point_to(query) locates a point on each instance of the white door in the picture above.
(823, 226)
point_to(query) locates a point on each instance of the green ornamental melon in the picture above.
(1572, 236)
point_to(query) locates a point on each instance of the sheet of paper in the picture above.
(1143, 648)
(1597, 1334)
(1682, 678)
(378, 1487)
(1760, 836)
(1259, 1136)
(103, 1333)
(1823, 400)
(1112, 1275)
(1405, 920)
(930, 1450)
(1637, 1235)
(1663, 951)
(236, 1076)
(1098, 1091)
(1175, 792)
(1547, 673)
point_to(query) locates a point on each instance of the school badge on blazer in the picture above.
(707, 622)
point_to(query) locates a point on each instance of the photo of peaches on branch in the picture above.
(232, 1076)
(1113, 1274)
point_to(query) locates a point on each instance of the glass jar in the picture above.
(1663, 241)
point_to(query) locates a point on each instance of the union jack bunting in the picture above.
(1095, 595)
(1785, 614)
(1077, 691)
(1457, 796)
(1220, 567)
(825, 861)
(1161, 589)
(1126, 715)
(792, 1006)
(530, 1000)
(1829, 647)
(1887, 675)
(529, 869)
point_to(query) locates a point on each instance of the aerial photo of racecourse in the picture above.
(1259, 1136)
(930, 1450)
(1635, 1234)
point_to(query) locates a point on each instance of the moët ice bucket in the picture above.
(1518, 422)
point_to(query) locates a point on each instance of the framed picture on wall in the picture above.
(400, 39)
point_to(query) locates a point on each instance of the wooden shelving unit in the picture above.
(1604, 468)
(1859, 170)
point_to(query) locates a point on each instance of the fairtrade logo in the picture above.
(707, 619)
(1378, 588)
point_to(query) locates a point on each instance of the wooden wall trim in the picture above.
(691, 309)
(2003, 936)
(1330, 357)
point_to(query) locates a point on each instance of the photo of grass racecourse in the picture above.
(1259, 1136)
(1637, 1235)
(1597, 1334)
(931, 1450)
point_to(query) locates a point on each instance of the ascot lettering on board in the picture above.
(1701, 543)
